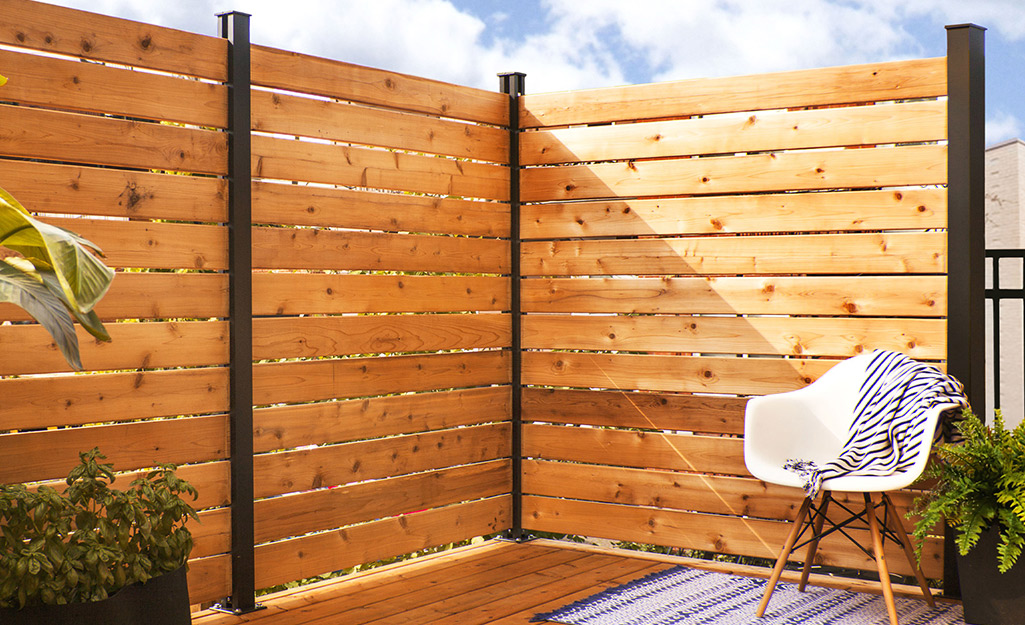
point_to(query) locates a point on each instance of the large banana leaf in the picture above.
(89, 320)
(82, 277)
(22, 288)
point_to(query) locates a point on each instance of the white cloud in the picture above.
(430, 38)
(704, 38)
(1006, 17)
(1002, 126)
(578, 44)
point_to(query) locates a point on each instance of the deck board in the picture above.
(493, 583)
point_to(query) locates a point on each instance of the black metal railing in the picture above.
(1004, 266)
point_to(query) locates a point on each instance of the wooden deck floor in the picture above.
(495, 582)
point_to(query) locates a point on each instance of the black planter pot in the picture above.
(991, 597)
(162, 600)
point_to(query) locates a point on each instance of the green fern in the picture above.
(980, 483)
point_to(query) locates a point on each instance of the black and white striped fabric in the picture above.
(890, 413)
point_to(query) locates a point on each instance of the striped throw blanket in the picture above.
(889, 414)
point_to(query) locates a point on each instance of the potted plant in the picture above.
(96, 554)
(980, 492)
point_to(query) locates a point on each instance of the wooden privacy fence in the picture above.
(380, 331)
(680, 247)
(708, 239)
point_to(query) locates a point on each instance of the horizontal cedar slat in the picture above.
(157, 295)
(299, 72)
(918, 296)
(786, 171)
(31, 403)
(212, 533)
(714, 494)
(293, 115)
(160, 245)
(211, 479)
(51, 28)
(165, 295)
(58, 136)
(814, 336)
(871, 253)
(649, 450)
(896, 80)
(153, 245)
(342, 208)
(695, 374)
(328, 422)
(303, 557)
(291, 515)
(58, 83)
(30, 349)
(782, 212)
(720, 534)
(33, 456)
(308, 469)
(304, 248)
(292, 294)
(309, 337)
(293, 382)
(49, 188)
(308, 161)
(725, 134)
(209, 578)
(655, 411)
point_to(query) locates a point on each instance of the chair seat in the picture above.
(846, 484)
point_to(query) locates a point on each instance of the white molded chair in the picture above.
(813, 423)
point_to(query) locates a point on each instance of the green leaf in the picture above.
(20, 289)
(83, 278)
(89, 320)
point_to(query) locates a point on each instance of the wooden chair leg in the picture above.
(877, 547)
(777, 571)
(814, 544)
(909, 551)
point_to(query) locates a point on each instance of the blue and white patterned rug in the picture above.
(685, 596)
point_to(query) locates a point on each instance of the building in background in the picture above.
(1005, 229)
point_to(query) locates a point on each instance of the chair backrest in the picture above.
(837, 391)
(814, 424)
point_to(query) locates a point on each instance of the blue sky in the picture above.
(574, 44)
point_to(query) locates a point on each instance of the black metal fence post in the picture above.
(966, 325)
(234, 27)
(512, 83)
